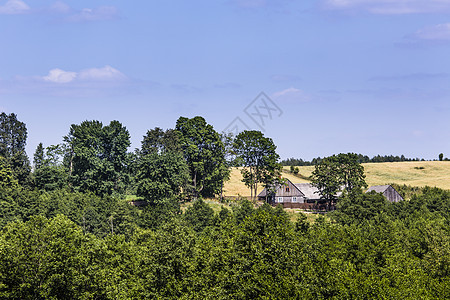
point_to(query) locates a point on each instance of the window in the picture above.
(287, 189)
(280, 199)
(294, 199)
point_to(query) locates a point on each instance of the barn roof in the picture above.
(264, 191)
(310, 191)
(378, 188)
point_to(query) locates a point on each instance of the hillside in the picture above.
(431, 173)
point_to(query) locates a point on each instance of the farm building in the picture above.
(388, 191)
(290, 195)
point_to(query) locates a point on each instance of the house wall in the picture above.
(300, 199)
(288, 190)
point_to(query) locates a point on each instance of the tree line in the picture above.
(191, 160)
(361, 159)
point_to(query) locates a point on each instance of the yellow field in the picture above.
(431, 173)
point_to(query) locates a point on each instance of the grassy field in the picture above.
(423, 173)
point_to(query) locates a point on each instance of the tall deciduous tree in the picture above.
(204, 152)
(259, 159)
(161, 176)
(97, 156)
(158, 141)
(337, 172)
(13, 139)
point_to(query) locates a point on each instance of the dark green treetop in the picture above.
(13, 139)
(205, 155)
(337, 172)
(159, 141)
(97, 156)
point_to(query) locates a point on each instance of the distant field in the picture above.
(431, 173)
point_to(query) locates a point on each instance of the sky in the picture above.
(318, 77)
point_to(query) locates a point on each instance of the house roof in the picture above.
(378, 188)
(264, 191)
(310, 191)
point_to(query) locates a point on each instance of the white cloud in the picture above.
(106, 73)
(390, 7)
(14, 7)
(291, 95)
(95, 14)
(440, 32)
(60, 76)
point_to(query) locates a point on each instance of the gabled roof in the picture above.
(378, 188)
(264, 191)
(310, 191)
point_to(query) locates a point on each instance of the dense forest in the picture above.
(68, 231)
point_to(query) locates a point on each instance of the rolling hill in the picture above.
(423, 173)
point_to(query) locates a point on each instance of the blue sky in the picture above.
(365, 76)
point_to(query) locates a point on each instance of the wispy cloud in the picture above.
(434, 35)
(63, 11)
(59, 76)
(102, 13)
(291, 95)
(62, 83)
(440, 32)
(390, 7)
(14, 7)
(107, 73)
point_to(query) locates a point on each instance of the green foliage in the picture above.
(60, 244)
(161, 176)
(46, 259)
(243, 211)
(38, 158)
(337, 171)
(259, 159)
(7, 179)
(199, 215)
(374, 253)
(360, 207)
(158, 141)
(13, 139)
(50, 178)
(97, 157)
(153, 216)
(205, 155)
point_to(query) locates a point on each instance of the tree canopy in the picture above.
(205, 155)
(259, 159)
(97, 157)
(13, 139)
(336, 173)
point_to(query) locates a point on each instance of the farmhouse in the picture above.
(290, 195)
(388, 191)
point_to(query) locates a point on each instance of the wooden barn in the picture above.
(388, 191)
(300, 195)
(286, 193)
